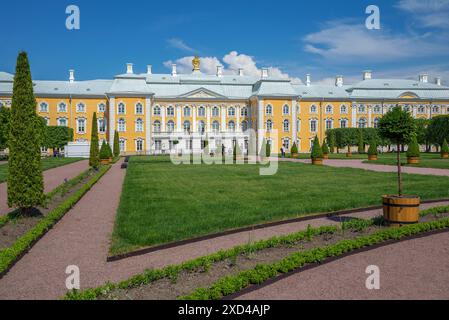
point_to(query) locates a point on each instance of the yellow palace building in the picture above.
(161, 113)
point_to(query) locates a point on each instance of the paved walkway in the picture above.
(412, 270)
(83, 236)
(358, 164)
(52, 179)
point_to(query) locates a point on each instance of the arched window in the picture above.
(231, 126)
(244, 112)
(329, 124)
(313, 109)
(343, 109)
(139, 125)
(231, 112)
(377, 109)
(81, 126)
(121, 108)
(313, 126)
(201, 127)
(436, 109)
(269, 110)
(62, 107)
(186, 126)
(329, 109)
(139, 108)
(157, 111)
(269, 125)
(286, 110)
(186, 112)
(216, 127)
(43, 107)
(362, 108)
(121, 125)
(244, 126)
(122, 145)
(362, 123)
(101, 125)
(201, 112)
(157, 126)
(286, 126)
(139, 145)
(215, 112)
(376, 122)
(62, 122)
(170, 111)
(170, 126)
(343, 123)
(286, 143)
(422, 109)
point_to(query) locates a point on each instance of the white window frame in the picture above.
(100, 106)
(119, 123)
(47, 107)
(157, 111)
(119, 105)
(138, 105)
(139, 125)
(78, 131)
(99, 125)
(81, 110)
(269, 110)
(64, 110)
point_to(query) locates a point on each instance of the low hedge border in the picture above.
(232, 284)
(205, 262)
(10, 256)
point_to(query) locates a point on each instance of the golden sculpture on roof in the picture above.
(196, 63)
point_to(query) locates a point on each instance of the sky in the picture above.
(292, 38)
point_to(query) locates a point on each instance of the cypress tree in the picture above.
(444, 147)
(413, 148)
(116, 144)
(294, 150)
(94, 159)
(332, 141)
(372, 151)
(317, 151)
(25, 179)
(361, 144)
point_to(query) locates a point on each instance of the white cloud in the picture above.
(428, 13)
(181, 45)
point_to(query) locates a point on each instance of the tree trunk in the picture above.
(399, 171)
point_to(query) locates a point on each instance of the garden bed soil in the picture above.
(18, 226)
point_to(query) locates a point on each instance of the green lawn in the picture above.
(428, 160)
(305, 156)
(47, 163)
(162, 202)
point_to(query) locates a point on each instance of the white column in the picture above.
(111, 123)
(194, 124)
(294, 127)
(370, 116)
(208, 111)
(415, 111)
(354, 115)
(260, 124)
(237, 125)
(148, 113)
(223, 119)
(178, 119)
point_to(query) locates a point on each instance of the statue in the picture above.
(196, 63)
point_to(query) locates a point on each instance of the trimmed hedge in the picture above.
(444, 147)
(10, 255)
(413, 148)
(317, 152)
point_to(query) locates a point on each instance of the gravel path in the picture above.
(358, 164)
(82, 238)
(412, 270)
(52, 179)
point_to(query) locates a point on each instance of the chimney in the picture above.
(129, 68)
(264, 73)
(438, 81)
(424, 78)
(240, 72)
(367, 75)
(308, 80)
(149, 69)
(71, 76)
(219, 71)
(174, 73)
(339, 81)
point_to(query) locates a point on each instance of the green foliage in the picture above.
(268, 149)
(294, 149)
(372, 151)
(236, 152)
(116, 144)
(94, 158)
(105, 151)
(398, 126)
(421, 131)
(10, 255)
(325, 148)
(361, 144)
(444, 147)
(5, 118)
(438, 129)
(57, 137)
(317, 152)
(265, 147)
(25, 179)
(331, 141)
(349, 137)
(413, 148)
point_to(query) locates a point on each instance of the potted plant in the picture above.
(399, 127)
(444, 150)
(294, 150)
(325, 149)
(413, 151)
(317, 153)
(372, 151)
(104, 153)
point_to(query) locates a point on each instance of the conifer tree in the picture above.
(94, 159)
(116, 144)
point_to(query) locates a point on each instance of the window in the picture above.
(170, 111)
(286, 110)
(157, 126)
(244, 126)
(139, 145)
(362, 123)
(343, 109)
(121, 125)
(201, 112)
(186, 112)
(215, 112)
(244, 112)
(407, 108)
(201, 126)
(286, 126)
(286, 144)
(329, 124)
(215, 127)
(139, 125)
(231, 112)
(43, 107)
(157, 111)
(122, 145)
(313, 125)
(376, 123)
(62, 107)
(377, 109)
(313, 109)
(269, 110)
(62, 122)
(158, 145)
(47, 121)
(81, 126)
(362, 108)
(139, 108)
(436, 109)
(170, 126)
(231, 126)
(343, 123)
(186, 126)
(329, 109)
(121, 108)
(269, 126)
(101, 126)
(101, 107)
(422, 109)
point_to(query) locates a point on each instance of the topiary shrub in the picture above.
(372, 151)
(317, 152)
(361, 144)
(294, 150)
(413, 148)
(444, 147)
(116, 144)
(104, 151)
(94, 156)
(325, 148)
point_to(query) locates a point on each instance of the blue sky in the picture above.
(321, 37)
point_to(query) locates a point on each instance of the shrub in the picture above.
(57, 137)
(361, 144)
(94, 160)
(444, 147)
(294, 149)
(105, 151)
(332, 141)
(372, 151)
(325, 148)
(116, 144)
(413, 148)
(317, 152)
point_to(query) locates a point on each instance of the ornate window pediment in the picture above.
(202, 93)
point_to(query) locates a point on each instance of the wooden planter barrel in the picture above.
(445, 155)
(348, 155)
(317, 162)
(325, 156)
(399, 211)
(104, 161)
(413, 160)
(372, 157)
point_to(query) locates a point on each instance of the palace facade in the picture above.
(161, 113)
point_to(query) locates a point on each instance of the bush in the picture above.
(116, 144)
(372, 151)
(94, 160)
(294, 149)
(317, 152)
(57, 137)
(438, 129)
(444, 147)
(361, 144)
(105, 151)
(413, 148)
(325, 148)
